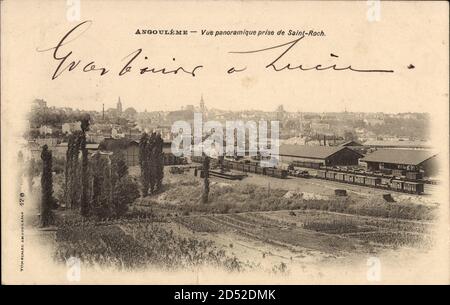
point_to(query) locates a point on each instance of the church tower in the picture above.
(119, 106)
(202, 105)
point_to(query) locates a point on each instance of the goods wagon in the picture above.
(372, 181)
(397, 185)
(321, 174)
(413, 187)
(369, 179)
(350, 178)
(359, 179)
(340, 176)
(330, 175)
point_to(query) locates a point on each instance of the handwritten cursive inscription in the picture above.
(275, 64)
(66, 62)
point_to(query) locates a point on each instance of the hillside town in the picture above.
(343, 183)
(303, 136)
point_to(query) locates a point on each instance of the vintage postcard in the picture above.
(224, 142)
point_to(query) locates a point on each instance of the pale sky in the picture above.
(399, 39)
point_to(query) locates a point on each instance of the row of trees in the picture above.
(112, 187)
(99, 186)
(151, 161)
(106, 188)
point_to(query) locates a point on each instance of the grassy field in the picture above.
(244, 226)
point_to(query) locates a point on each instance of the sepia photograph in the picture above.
(228, 143)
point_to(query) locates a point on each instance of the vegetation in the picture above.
(335, 226)
(244, 198)
(47, 200)
(113, 190)
(205, 179)
(136, 246)
(151, 161)
(72, 172)
(84, 168)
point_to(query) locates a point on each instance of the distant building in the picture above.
(374, 122)
(315, 156)
(46, 141)
(350, 144)
(402, 159)
(71, 127)
(39, 104)
(116, 133)
(320, 127)
(129, 148)
(60, 150)
(397, 144)
(44, 129)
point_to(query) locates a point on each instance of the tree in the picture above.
(159, 159)
(46, 187)
(101, 202)
(72, 174)
(205, 178)
(119, 168)
(350, 136)
(84, 167)
(125, 192)
(153, 162)
(113, 189)
(144, 163)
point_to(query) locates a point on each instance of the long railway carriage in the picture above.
(330, 175)
(411, 183)
(260, 170)
(349, 178)
(340, 176)
(413, 187)
(372, 181)
(397, 185)
(359, 179)
(269, 171)
(321, 174)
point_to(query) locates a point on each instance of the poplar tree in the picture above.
(144, 163)
(153, 161)
(205, 178)
(46, 187)
(160, 162)
(84, 168)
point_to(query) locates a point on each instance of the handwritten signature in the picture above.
(65, 61)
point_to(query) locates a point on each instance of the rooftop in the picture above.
(399, 156)
(397, 143)
(314, 152)
(114, 144)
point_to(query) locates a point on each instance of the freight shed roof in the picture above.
(397, 143)
(399, 156)
(312, 152)
(115, 144)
